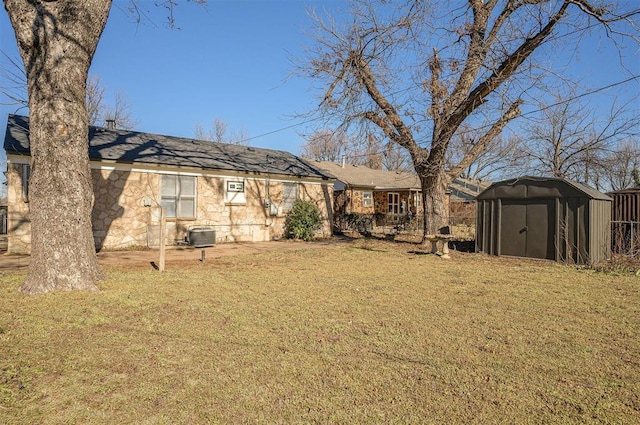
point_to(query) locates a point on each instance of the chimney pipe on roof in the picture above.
(344, 161)
(111, 124)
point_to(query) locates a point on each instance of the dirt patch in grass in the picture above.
(367, 332)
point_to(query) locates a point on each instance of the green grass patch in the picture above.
(334, 335)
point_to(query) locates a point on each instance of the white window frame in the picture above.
(418, 200)
(393, 203)
(367, 198)
(175, 202)
(235, 191)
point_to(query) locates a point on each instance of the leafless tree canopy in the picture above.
(326, 145)
(13, 81)
(570, 140)
(120, 113)
(502, 158)
(219, 132)
(13, 85)
(620, 169)
(367, 149)
(416, 71)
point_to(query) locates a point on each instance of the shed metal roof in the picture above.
(540, 187)
(131, 147)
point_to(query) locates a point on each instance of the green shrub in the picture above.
(303, 221)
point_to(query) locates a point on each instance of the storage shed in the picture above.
(547, 218)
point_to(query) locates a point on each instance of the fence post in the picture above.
(163, 227)
(632, 246)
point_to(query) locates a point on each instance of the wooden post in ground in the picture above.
(163, 228)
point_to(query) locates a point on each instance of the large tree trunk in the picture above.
(57, 41)
(436, 216)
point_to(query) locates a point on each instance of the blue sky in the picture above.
(228, 60)
(231, 60)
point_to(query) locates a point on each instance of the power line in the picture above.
(338, 113)
(421, 143)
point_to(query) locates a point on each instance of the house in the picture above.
(242, 193)
(360, 189)
(545, 218)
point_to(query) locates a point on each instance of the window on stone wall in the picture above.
(289, 195)
(26, 174)
(367, 199)
(178, 195)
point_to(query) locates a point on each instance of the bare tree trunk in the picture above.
(434, 187)
(57, 41)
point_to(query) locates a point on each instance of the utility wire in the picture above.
(548, 40)
(486, 126)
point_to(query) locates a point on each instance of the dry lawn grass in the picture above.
(357, 334)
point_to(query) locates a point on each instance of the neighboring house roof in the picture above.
(130, 147)
(466, 190)
(365, 177)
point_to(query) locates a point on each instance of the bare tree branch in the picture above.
(417, 74)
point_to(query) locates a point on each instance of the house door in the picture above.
(527, 228)
(393, 207)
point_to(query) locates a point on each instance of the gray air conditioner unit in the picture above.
(200, 237)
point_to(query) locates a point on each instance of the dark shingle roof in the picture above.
(132, 147)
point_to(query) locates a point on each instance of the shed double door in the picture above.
(527, 228)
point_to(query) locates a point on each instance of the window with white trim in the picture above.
(289, 195)
(367, 198)
(234, 192)
(418, 200)
(393, 206)
(178, 195)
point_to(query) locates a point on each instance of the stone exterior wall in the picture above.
(251, 221)
(350, 201)
(356, 202)
(126, 209)
(119, 217)
(18, 222)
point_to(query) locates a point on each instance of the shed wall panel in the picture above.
(600, 231)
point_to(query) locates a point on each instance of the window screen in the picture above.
(289, 195)
(178, 195)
